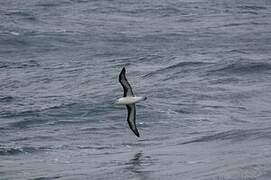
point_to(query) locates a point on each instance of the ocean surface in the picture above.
(205, 66)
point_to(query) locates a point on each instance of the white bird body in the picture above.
(130, 100)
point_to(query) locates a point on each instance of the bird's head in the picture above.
(118, 101)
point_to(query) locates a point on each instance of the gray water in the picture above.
(205, 66)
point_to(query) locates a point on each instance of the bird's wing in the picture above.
(132, 118)
(125, 84)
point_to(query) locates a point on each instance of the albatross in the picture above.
(129, 99)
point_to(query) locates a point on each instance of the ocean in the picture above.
(204, 65)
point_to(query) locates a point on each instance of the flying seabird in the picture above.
(129, 99)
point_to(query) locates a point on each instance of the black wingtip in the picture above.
(123, 70)
(136, 133)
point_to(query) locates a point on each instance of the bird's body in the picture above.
(129, 100)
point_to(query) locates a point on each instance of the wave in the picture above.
(234, 135)
(14, 65)
(46, 178)
(6, 99)
(185, 64)
(162, 11)
(25, 15)
(14, 41)
(12, 114)
(244, 67)
(4, 151)
(27, 123)
(63, 114)
(52, 4)
(38, 112)
(249, 7)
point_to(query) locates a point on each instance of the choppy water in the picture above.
(205, 66)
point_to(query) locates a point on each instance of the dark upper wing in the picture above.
(132, 118)
(125, 84)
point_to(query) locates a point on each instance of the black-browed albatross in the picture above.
(129, 99)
